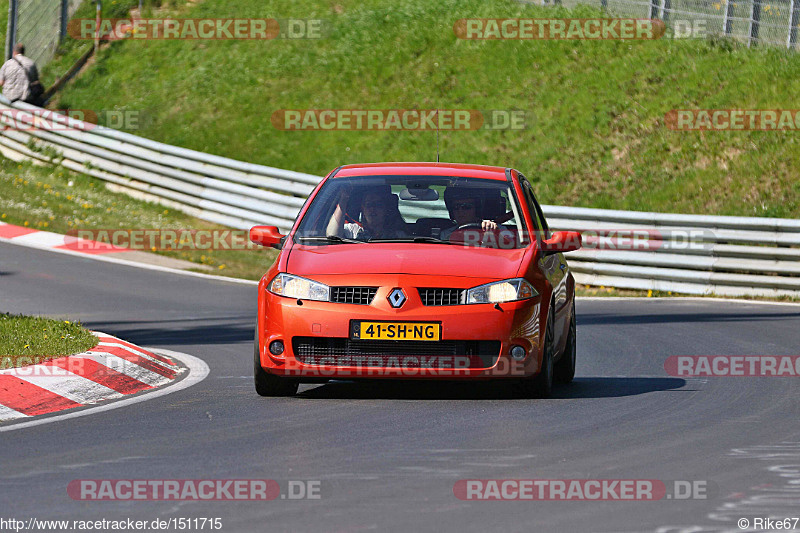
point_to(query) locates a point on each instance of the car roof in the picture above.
(422, 169)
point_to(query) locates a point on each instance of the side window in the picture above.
(541, 229)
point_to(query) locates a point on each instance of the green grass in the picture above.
(28, 340)
(71, 49)
(56, 199)
(595, 136)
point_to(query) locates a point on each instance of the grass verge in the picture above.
(595, 133)
(59, 200)
(26, 340)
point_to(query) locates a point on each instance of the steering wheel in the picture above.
(478, 225)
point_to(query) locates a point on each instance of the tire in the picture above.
(541, 385)
(564, 369)
(269, 384)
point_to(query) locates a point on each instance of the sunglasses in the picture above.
(463, 206)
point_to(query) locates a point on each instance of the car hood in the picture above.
(404, 258)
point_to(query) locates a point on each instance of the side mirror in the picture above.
(561, 242)
(266, 236)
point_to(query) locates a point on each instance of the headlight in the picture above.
(301, 288)
(507, 290)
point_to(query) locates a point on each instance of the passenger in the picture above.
(380, 218)
(465, 209)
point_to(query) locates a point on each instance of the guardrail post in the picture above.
(604, 5)
(794, 20)
(64, 19)
(727, 23)
(655, 7)
(11, 33)
(755, 20)
(97, 26)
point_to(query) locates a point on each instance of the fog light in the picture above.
(276, 347)
(518, 353)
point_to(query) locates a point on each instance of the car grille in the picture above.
(333, 351)
(432, 296)
(353, 295)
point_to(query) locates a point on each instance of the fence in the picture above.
(773, 22)
(40, 24)
(737, 256)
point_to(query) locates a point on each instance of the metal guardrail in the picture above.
(729, 255)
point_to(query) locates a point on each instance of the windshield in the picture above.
(425, 209)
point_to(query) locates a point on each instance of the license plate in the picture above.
(395, 331)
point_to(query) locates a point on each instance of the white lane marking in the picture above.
(134, 351)
(70, 386)
(7, 413)
(685, 298)
(127, 262)
(198, 370)
(123, 366)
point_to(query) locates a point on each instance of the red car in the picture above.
(417, 271)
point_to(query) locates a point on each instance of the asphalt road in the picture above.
(387, 455)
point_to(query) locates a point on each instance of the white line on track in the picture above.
(198, 370)
(126, 262)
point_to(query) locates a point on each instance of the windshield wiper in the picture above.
(329, 238)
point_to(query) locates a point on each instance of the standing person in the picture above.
(19, 78)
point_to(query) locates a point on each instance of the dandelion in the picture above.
(649, 293)
(221, 267)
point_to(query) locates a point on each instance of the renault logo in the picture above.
(397, 298)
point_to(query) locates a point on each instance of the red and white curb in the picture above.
(47, 239)
(111, 370)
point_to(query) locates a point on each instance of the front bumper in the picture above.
(325, 326)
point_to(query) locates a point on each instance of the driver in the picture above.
(380, 218)
(465, 205)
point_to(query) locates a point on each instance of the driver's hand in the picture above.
(344, 197)
(488, 225)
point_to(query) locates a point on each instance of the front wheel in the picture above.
(565, 368)
(269, 384)
(541, 385)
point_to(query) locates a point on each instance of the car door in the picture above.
(552, 266)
